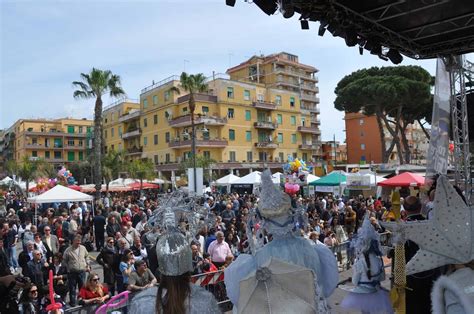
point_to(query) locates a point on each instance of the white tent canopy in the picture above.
(228, 179)
(311, 177)
(252, 178)
(60, 194)
(6, 180)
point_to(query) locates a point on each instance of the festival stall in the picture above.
(407, 181)
(247, 184)
(364, 183)
(223, 184)
(334, 183)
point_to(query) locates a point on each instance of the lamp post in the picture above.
(193, 148)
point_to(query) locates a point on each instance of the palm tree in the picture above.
(95, 85)
(141, 169)
(194, 83)
(113, 164)
(27, 169)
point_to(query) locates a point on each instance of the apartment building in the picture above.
(58, 141)
(333, 151)
(261, 111)
(121, 129)
(364, 144)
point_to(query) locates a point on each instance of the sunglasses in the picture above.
(33, 291)
(111, 242)
(47, 229)
(95, 279)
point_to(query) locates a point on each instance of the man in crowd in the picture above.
(76, 260)
(142, 278)
(51, 243)
(219, 250)
(36, 269)
(99, 229)
(197, 259)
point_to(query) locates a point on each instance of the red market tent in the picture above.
(146, 186)
(74, 187)
(405, 179)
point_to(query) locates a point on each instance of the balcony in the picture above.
(184, 121)
(265, 125)
(310, 130)
(131, 134)
(265, 105)
(134, 151)
(308, 146)
(74, 147)
(37, 146)
(130, 116)
(216, 143)
(198, 97)
(310, 87)
(316, 120)
(265, 144)
(311, 98)
(310, 109)
(55, 133)
(296, 73)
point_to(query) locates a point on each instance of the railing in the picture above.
(308, 146)
(198, 97)
(306, 129)
(199, 143)
(131, 133)
(160, 83)
(261, 104)
(55, 133)
(130, 115)
(134, 150)
(185, 120)
(120, 101)
(265, 144)
(265, 125)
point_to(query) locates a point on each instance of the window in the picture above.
(185, 110)
(167, 95)
(89, 129)
(34, 153)
(206, 154)
(232, 156)
(70, 156)
(145, 140)
(293, 120)
(362, 146)
(278, 100)
(58, 143)
(295, 155)
(361, 121)
(231, 135)
(70, 142)
(205, 110)
(57, 155)
(280, 137)
(155, 100)
(80, 129)
(34, 141)
(80, 143)
(112, 132)
(248, 136)
(46, 142)
(279, 119)
(246, 95)
(292, 101)
(155, 139)
(281, 156)
(167, 158)
(145, 103)
(120, 131)
(248, 115)
(155, 119)
(105, 133)
(81, 155)
(70, 128)
(293, 138)
(230, 92)
(145, 122)
(305, 156)
(47, 154)
(230, 113)
(249, 156)
(361, 134)
(155, 157)
(260, 97)
(167, 137)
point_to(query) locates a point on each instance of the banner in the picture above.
(437, 157)
(358, 182)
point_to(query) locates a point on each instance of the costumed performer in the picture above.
(279, 219)
(368, 272)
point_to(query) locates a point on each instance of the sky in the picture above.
(45, 45)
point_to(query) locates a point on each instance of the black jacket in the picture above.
(107, 258)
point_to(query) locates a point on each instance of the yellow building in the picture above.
(58, 141)
(121, 128)
(263, 111)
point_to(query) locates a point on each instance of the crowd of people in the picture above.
(61, 238)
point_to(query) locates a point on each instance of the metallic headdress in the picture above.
(273, 202)
(447, 238)
(174, 254)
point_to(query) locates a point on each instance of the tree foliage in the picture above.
(28, 170)
(112, 164)
(141, 169)
(202, 161)
(94, 85)
(397, 96)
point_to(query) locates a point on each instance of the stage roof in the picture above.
(416, 28)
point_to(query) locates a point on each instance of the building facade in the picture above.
(334, 152)
(58, 141)
(364, 144)
(254, 117)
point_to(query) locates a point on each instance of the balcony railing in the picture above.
(199, 143)
(185, 120)
(130, 116)
(311, 109)
(310, 87)
(301, 74)
(265, 125)
(310, 98)
(134, 150)
(74, 147)
(266, 105)
(38, 146)
(316, 120)
(266, 144)
(55, 133)
(306, 146)
(198, 97)
(306, 129)
(133, 133)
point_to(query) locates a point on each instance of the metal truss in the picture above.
(458, 70)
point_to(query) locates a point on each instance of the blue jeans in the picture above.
(12, 259)
(75, 279)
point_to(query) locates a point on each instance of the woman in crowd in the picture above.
(93, 291)
(107, 258)
(126, 267)
(59, 276)
(28, 303)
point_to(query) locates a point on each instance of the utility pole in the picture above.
(335, 152)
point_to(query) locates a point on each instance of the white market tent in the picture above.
(60, 194)
(6, 181)
(276, 177)
(226, 180)
(311, 177)
(254, 177)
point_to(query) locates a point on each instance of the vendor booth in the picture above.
(334, 183)
(223, 184)
(247, 184)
